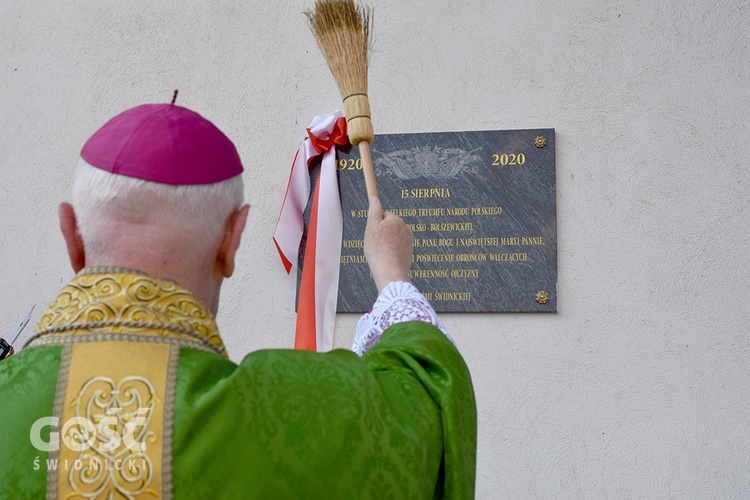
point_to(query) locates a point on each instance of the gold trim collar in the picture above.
(115, 301)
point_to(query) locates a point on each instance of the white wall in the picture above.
(640, 386)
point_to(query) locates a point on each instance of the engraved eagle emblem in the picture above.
(431, 162)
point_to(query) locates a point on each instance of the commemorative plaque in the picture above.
(481, 207)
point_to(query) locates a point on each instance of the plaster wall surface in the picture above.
(639, 387)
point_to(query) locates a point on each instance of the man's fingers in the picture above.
(375, 213)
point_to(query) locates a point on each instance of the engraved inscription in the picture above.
(481, 208)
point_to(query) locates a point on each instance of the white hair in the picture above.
(102, 199)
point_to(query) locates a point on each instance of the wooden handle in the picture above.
(367, 170)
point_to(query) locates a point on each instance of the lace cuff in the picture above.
(397, 303)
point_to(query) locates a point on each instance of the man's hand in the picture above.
(388, 246)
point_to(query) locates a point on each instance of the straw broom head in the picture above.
(342, 29)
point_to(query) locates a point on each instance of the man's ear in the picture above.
(231, 242)
(73, 241)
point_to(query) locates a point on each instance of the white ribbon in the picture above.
(290, 226)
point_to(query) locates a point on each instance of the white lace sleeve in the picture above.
(397, 303)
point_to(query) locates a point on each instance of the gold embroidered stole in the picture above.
(122, 332)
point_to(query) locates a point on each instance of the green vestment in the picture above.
(148, 406)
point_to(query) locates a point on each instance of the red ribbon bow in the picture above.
(337, 137)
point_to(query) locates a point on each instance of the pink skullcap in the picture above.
(163, 143)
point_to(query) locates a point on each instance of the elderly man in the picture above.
(125, 389)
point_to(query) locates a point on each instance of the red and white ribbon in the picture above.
(316, 306)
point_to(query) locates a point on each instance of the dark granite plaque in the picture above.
(481, 206)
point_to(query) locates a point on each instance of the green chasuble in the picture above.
(126, 392)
